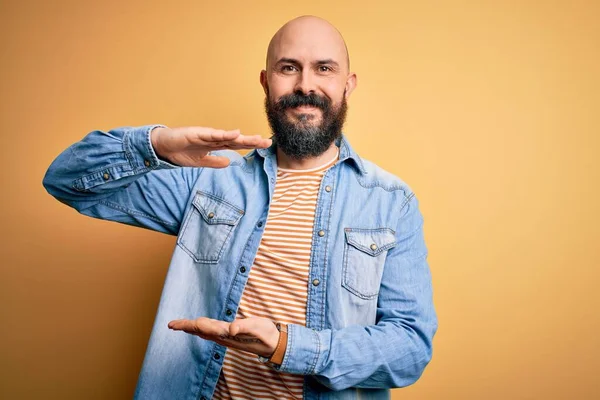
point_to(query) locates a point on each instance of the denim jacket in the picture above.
(370, 316)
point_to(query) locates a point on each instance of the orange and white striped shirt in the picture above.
(277, 285)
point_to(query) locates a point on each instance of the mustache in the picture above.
(293, 100)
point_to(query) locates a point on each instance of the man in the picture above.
(300, 269)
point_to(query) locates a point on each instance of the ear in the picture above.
(350, 84)
(263, 81)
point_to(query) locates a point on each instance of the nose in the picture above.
(305, 82)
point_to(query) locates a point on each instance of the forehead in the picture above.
(308, 44)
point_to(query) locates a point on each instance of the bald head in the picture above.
(308, 37)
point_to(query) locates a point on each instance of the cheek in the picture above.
(335, 90)
(279, 87)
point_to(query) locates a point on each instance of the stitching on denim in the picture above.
(382, 229)
(243, 164)
(147, 139)
(127, 149)
(313, 365)
(212, 196)
(345, 283)
(406, 200)
(107, 167)
(193, 252)
(380, 249)
(232, 221)
(93, 179)
(362, 182)
(347, 155)
(332, 197)
(134, 212)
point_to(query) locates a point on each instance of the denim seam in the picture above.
(148, 141)
(362, 182)
(93, 179)
(313, 365)
(243, 165)
(217, 219)
(192, 252)
(134, 212)
(212, 196)
(345, 284)
(128, 151)
(360, 247)
(325, 261)
(407, 199)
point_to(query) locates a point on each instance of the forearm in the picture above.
(101, 163)
(394, 351)
(385, 355)
(116, 175)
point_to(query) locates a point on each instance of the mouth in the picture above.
(305, 109)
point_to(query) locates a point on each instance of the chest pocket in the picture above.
(207, 228)
(365, 251)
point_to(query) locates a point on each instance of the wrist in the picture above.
(279, 353)
(154, 141)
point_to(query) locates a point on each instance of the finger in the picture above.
(185, 325)
(201, 326)
(240, 142)
(220, 135)
(207, 135)
(248, 142)
(214, 327)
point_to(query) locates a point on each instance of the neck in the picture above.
(287, 162)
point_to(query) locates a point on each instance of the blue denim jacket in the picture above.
(370, 315)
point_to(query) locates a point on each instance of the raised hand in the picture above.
(190, 146)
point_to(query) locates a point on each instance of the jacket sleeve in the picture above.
(395, 351)
(117, 176)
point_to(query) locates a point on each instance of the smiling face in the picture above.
(306, 82)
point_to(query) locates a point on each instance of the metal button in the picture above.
(242, 269)
(316, 282)
(260, 224)
(217, 356)
(373, 246)
(146, 163)
(321, 233)
(106, 176)
(328, 188)
(228, 312)
(211, 215)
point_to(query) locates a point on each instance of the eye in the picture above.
(288, 68)
(324, 68)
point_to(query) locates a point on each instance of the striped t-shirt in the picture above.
(277, 285)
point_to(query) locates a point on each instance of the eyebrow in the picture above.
(318, 62)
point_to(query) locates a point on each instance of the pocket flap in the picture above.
(371, 241)
(217, 211)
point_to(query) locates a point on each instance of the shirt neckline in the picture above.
(314, 169)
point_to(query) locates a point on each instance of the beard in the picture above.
(304, 138)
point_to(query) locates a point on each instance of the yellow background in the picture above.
(489, 110)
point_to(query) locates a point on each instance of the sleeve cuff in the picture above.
(140, 152)
(302, 351)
